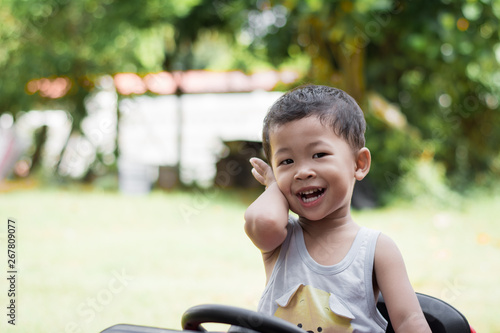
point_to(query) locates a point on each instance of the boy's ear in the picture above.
(363, 162)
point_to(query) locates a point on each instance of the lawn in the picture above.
(89, 259)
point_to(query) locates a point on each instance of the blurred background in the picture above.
(126, 129)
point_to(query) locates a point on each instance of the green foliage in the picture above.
(436, 61)
(425, 183)
(427, 61)
(391, 149)
(80, 40)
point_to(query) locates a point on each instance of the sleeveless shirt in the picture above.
(319, 298)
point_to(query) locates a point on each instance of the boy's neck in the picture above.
(329, 241)
(328, 225)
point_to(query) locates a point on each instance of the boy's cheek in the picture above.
(281, 184)
(284, 188)
(291, 202)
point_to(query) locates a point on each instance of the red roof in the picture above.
(200, 81)
(51, 88)
(165, 83)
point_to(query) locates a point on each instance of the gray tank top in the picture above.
(318, 298)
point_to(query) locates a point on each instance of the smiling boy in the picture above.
(314, 141)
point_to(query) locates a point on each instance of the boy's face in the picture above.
(314, 168)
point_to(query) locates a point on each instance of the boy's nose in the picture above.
(304, 172)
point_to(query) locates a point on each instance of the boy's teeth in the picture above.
(306, 200)
(311, 195)
(309, 192)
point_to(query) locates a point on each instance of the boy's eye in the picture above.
(319, 155)
(287, 161)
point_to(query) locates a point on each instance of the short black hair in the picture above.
(333, 107)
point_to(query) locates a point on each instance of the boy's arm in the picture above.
(402, 304)
(267, 217)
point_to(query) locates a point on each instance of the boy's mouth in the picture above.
(311, 195)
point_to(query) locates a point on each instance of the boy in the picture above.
(324, 272)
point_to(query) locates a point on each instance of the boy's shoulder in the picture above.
(385, 242)
(387, 256)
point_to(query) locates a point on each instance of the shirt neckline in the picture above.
(327, 269)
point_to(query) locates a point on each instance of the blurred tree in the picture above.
(77, 42)
(435, 63)
(438, 61)
(426, 73)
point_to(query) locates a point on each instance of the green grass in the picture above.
(90, 259)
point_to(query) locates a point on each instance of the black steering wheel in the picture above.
(223, 314)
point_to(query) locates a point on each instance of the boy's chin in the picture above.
(308, 217)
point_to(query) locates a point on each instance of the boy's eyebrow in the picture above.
(309, 145)
(282, 150)
(315, 143)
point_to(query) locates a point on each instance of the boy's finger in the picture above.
(259, 164)
(254, 161)
(258, 177)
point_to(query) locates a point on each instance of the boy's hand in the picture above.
(262, 172)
